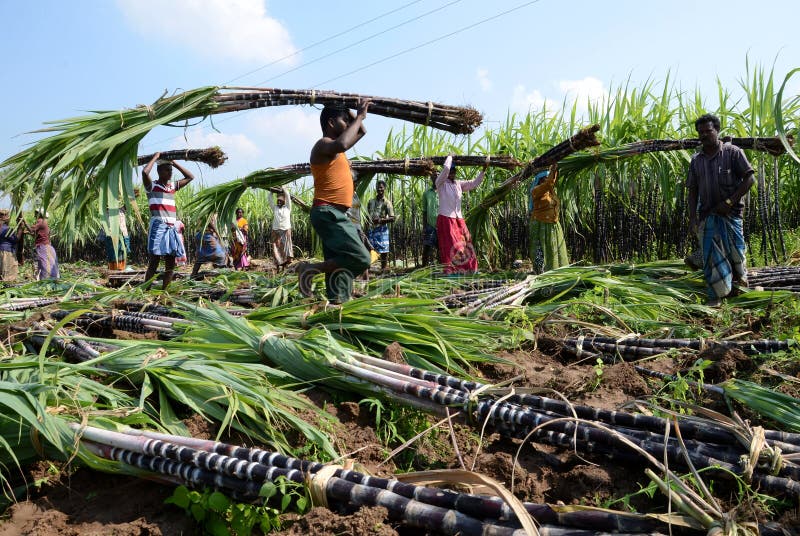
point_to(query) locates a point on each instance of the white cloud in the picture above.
(484, 80)
(523, 100)
(288, 126)
(239, 30)
(587, 89)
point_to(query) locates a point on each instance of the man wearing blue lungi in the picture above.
(381, 213)
(719, 179)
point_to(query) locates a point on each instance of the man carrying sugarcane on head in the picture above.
(344, 253)
(719, 178)
(381, 213)
(163, 240)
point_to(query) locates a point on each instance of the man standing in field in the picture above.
(162, 239)
(381, 213)
(345, 255)
(430, 210)
(719, 178)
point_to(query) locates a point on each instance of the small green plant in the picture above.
(599, 368)
(220, 516)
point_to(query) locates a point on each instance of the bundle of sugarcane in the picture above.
(581, 140)
(212, 157)
(223, 199)
(22, 304)
(639, 347)
(523, 421)
(86, 164)
(498, 161)
(610, 155)
(122, 320)
(775, 278)
(455, 119)
(520, 417)
(241, 472)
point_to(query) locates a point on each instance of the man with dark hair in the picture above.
(345, 255)
(719, 178)
(381, 213)
(430, 210)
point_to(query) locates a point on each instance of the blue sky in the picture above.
(65, 57)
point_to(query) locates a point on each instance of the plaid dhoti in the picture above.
(722, 238)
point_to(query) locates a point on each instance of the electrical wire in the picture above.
(325, 40)
(392, 56)
(360, 41)
(426, 43)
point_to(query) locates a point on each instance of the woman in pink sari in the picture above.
(456, 251)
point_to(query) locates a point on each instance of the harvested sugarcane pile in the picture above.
(775, 278)
(633, 348)
(455, 119)
(705, 443)
(23, 304)
(213, 157)
(518, 418)
(133, 322)
(241, 472)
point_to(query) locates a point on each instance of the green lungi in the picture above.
(342, 245)
(549, 237)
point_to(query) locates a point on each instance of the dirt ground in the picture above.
(87, 502)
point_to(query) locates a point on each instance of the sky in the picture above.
(63, 58)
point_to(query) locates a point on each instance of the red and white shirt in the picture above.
(161, 199)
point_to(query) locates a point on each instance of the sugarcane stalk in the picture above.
(212, 156)
(222, 457)
(458, 120)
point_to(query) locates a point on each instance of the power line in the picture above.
(234, 114)
(421, 45)
(392, 56)
(359, 42)
(312, 45)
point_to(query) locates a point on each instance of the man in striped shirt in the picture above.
(163, 240)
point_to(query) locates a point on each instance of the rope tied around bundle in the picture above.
(313, 96)
(761, 454)
(318, 484)
(264, 338)
(430, 113)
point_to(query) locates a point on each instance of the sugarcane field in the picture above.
(405, 310)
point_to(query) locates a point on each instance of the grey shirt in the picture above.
(718, 177)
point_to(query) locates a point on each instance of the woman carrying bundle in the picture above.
(162, 240)
(456, 252)
(239, 243)
(282, 247)
(545, 232)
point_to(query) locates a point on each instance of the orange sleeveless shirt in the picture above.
(333, 182)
